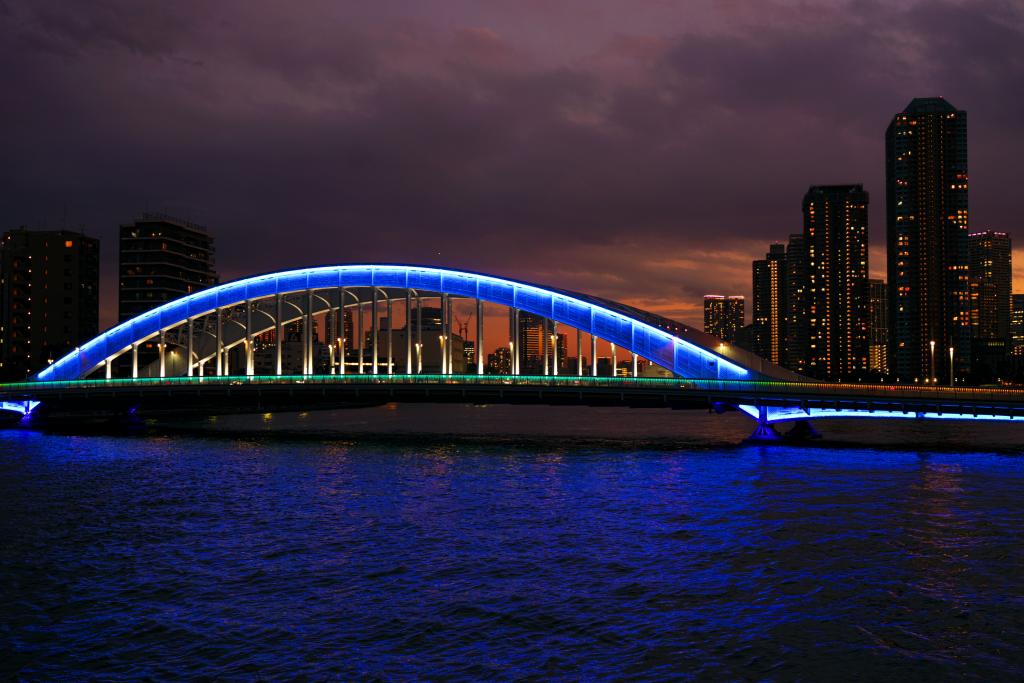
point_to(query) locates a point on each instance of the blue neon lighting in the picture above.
(23, 407)
(678, 355)
(783, 414)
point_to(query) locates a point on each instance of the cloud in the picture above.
(639, 151)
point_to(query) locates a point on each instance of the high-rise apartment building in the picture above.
(723, 315)
(49, 297)
(991, 276)
(878, 313)
(161, 259)
(836, 297)
(795, 357)
(1016, 341)
(926, 211)
(770, 306)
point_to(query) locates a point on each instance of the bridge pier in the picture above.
(764, 433)
(802, 430)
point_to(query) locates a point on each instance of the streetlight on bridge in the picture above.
(932, 343)
(950, 366)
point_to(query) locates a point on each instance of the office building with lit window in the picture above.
(878, 313)
(836, 296)
(723, 316)
(795, 357)
(49, 297)
(991, 276)
(770, 305)
(161, 259)
(926, 240)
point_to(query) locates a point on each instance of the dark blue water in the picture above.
(611, 546)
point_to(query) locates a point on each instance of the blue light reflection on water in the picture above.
(178, 556)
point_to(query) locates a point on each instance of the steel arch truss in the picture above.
(206, 325)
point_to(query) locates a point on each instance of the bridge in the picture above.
(252, 345)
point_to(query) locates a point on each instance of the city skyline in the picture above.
(413, 158)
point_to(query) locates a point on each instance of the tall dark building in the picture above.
(795, 357)
(769, 275)
(991, 276)
(49, 284)
(161, 259)
(878, 312)
(723, 316)
(836, 243)
(1016, 340)
(926, 212)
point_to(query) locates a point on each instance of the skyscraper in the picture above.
(723, 315)
(990, 284)
(532, 343)
(162, 258)
(878, 312)
(796, 304)
(49, 297)
(836, 243)
(926, 211)
(1016, 341)
(769, 275)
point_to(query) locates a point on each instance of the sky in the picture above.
(641, 150)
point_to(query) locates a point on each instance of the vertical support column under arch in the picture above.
(362, 336)
(220, 342)
(554, 347)
(135, 360)
(307, 341)
(593, 355)
(634, 365)
(408, 331)
(451, 335)
(374, 330)
(391, 327)
(419, 334)
(444, 332)
(162, 350)
(108, 362)
(341, 331)
(278, 333)
(544, 341)
(516, 350)
(479, 337)
(579, 352)
(250, 364)
(188, 346)
(615, 362)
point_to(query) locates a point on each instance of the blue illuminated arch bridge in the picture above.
(250, 345)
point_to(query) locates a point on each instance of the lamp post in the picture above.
(932, 344)
(950, 366)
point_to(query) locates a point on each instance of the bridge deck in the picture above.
(259, 393)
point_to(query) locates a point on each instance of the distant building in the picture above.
(991, 277)
(795, 357)
(1016, 341)
(162, 259)
(723, 315)
(770, 306)
(469, 353)
(926, 226)
(499, 362)
(836, 242)
(878, 312)
(534, 344)
(49, 297)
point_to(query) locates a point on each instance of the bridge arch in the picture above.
(251, 306)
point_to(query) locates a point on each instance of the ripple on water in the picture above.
(217, 557)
